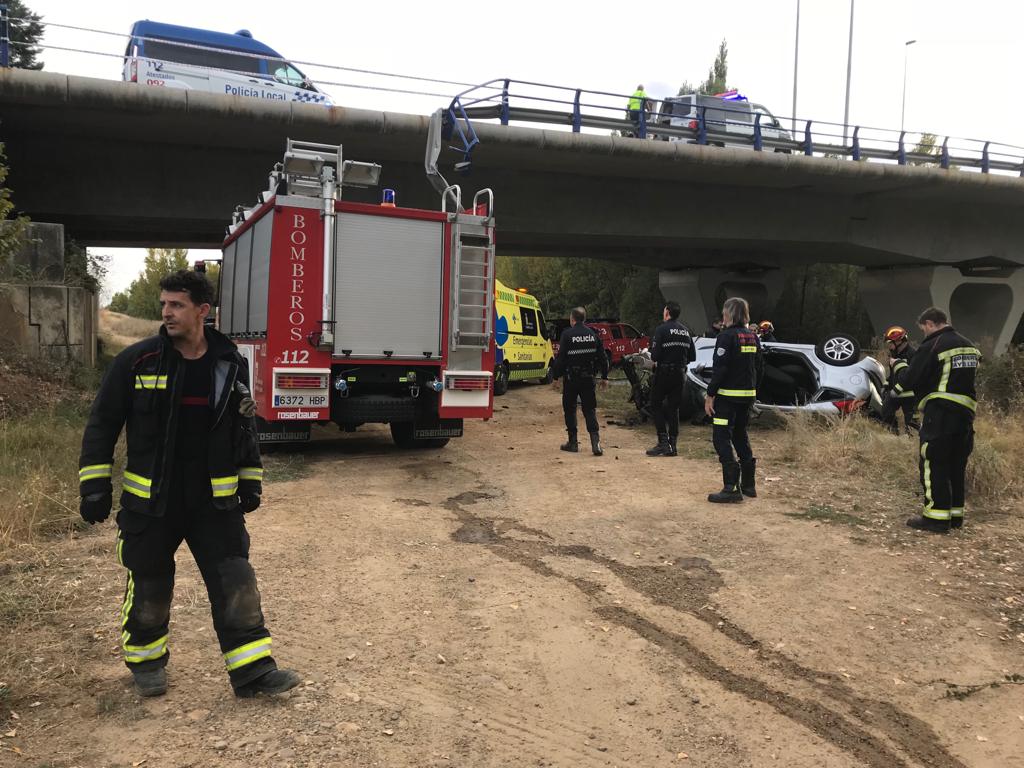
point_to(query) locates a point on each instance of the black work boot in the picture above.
(662, 448)
(922, 523)
(274, 681)
(748, 470)
(595, 444)
(956, 521)
(572, 446)
(150, 682)
(730, 493)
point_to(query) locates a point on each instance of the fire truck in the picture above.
(356, 313)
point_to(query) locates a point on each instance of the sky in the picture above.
(962, 50)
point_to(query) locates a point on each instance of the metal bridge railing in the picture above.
(508, 101)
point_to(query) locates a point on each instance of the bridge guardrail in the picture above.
(508, 101)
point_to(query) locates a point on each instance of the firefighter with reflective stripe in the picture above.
(898, 397)
(580, 356)
(942, 376)
(192, 471)
(738, 365)
(672, 349)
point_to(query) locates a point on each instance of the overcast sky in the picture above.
(965, 53)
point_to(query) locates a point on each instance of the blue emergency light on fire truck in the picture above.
(356, 312)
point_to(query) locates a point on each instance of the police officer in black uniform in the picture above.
(897, 395)
(942, 374)
(671, 348)
(580, 355)
(738, 365)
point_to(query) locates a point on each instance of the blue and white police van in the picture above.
(170, 56)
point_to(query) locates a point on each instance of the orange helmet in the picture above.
(896, 334)
(765, 326)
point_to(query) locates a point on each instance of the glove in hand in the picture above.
(95, 508)
(248, 502)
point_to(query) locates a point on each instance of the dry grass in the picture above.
(119, 331)
(859, 451)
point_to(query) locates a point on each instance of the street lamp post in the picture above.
(796, 60)
(903, 109)
(849, 68)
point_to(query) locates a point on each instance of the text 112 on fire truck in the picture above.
(355, 313)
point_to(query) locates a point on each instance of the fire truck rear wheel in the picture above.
(548, 378)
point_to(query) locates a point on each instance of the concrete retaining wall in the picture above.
(55, 321)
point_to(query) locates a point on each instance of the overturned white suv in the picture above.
(830, 378)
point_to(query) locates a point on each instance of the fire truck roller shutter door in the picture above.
(388, 295)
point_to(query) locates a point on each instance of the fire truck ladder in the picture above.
(473, 266)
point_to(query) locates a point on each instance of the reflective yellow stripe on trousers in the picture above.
(720, 422)
(929, 507)
(738, 392)
(247, 654)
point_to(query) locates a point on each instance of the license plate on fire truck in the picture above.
(300, 401)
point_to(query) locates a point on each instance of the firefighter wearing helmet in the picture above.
(897, 395)
(766, 331)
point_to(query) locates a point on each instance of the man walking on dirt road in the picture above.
(192, 471)
(672, 349)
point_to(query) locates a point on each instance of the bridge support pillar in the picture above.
(986, 305)
(701, 292)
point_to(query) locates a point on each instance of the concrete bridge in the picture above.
(122, 164)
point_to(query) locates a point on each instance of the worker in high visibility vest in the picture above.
(637, 103)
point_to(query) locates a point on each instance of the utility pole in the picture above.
(849, 68)
(796, 61)
(903, 109)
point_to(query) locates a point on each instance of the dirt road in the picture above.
(500, 603)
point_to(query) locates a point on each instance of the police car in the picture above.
(185, 58)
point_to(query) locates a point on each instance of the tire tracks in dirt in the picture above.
(875, 732)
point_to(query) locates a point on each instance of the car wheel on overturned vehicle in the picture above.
(838, 349)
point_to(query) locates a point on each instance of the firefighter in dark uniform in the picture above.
(766, 331)
(738, 365)
(672, 349)
(580, 356)
(897, 396)
(192, 471)
(942, 375)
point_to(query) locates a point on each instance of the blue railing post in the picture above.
(5, 37)
(577, 118)
(808, 141)
(504, 103)
(944, 161)
(901, 154)
(985, 158)
(757, 133)
(856, 143)
(702, 126)
(642, 131)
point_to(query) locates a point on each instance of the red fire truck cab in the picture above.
(354, 313)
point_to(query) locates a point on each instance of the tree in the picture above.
(716, 82)
(142, 299)
(717, 75)
(12, 228)
(25, 32)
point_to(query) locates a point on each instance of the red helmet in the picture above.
(765, 326)
(896, 334)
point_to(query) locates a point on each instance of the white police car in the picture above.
(170, 56)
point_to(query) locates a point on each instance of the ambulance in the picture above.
(521, 336)
(355, 313)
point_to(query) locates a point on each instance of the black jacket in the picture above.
(142, 393)
(943, 369)
(580, 354)
(671, 345)
(738, 364)
(899, 364)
